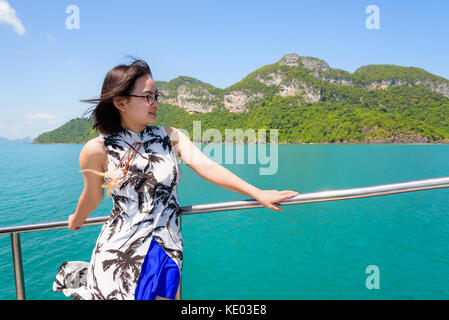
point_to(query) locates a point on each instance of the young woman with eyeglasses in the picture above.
(139, 252)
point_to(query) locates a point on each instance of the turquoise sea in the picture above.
(308, 251)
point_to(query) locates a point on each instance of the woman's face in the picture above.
(136, 112)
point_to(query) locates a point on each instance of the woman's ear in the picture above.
(119, 103)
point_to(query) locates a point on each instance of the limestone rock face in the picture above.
(235, 101)
(314, 64)
(384, 84)
(291, 60)
(273, 79)
(290, 76)
(192, 99)
(195, 99)
(299, 88)
(440, 87)
(435, 86)
(339, 81)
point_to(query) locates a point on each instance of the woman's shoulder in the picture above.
(169, 130)
(173, 134)
(96, 143)
(95, 149)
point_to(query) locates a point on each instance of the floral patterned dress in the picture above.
(139, 252)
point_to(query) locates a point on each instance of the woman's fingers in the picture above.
(285, 194)
(271, 197)
(289, 195)
(289, 192)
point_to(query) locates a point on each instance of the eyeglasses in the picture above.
(150, 97)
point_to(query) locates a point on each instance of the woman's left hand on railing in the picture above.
(73, 226)
(269, 197)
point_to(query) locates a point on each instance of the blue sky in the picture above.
(47, 68)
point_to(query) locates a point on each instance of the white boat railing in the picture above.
(331, 195)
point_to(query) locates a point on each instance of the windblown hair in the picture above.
(115, 178)
(118, 174)
(119, 81)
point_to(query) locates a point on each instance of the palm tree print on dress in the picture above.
(114, 143)
(118, 214)
(145, 207)
(142, 183)
(127, 264)
(164, 141)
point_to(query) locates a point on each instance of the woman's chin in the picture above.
(152, 117)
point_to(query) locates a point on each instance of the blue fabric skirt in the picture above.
(159, 275)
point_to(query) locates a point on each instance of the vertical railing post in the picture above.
(18, 268)
(180, 276)
(178, 294)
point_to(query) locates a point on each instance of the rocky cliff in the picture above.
(293, 75)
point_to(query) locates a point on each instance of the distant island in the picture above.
(27, 139)
(307, 101)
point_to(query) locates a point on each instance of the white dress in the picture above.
(145, 217)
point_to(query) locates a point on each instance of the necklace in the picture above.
(127, 160)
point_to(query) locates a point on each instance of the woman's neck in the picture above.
(133, 128)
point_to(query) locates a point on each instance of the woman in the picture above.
(138, 254)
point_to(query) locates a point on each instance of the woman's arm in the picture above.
(219, 175)
(91, 157)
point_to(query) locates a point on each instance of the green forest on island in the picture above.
(344, 113)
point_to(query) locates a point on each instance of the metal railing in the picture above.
(330, 195)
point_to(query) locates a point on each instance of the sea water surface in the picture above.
(308, 251)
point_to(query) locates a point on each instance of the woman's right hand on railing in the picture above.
(271, 197)
(72, 225)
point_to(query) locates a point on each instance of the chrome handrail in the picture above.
(330, 195)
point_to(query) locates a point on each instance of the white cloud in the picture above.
(50, 118)
(8, 16)
(40, 115)
(20, 125)
(50, 37)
